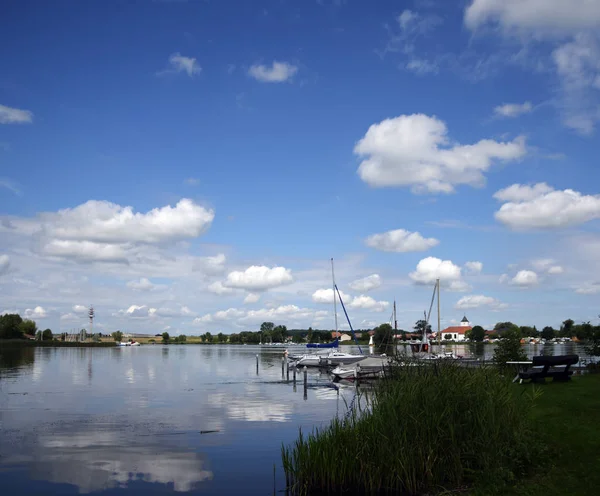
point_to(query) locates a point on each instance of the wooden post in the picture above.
(282, 367)
(294, 374)
(287, 370)
(256, 364)
(305, 371)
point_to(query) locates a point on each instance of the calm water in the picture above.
(111, 421)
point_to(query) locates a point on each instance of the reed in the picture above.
(428, 429)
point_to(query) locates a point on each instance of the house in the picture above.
(457, 333)
(342, 336)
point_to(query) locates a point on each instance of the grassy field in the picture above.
(567, 422)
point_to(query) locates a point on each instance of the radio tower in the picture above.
(91, 315)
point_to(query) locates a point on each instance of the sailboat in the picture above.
(333, 357)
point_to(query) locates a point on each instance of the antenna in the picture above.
(91, 314)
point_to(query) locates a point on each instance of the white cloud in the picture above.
(547, 265)
(218, 288)
(220, 316)
(279, 72)
(138, 312)
(553, 209)
(179, 63)
(35, 313)
(143, 284)
(522, 192)
(367, 303)
(543, 17)
(503, 278)
(366, 283)
(80, 309)
(283, 313)
(211, 265)
(259, 278)
(588, 288)
(422, 66)
(4, 264)
(513, 109)
(192, 181)
(10, 115)
(477, 301)
(100, 231)
(251, 298)
(326, 296)
(430, 269)
(474, 267)
(525, 278)
(578, 67)
(400, 241)
(70, 317)
(414, 150)
(10, 185)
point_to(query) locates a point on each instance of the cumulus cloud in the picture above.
(522, 192)
(545, 209)
(588, 288)
(70, 317)
(367, 303)
(143, 284)
(35, 313)
(144, 312)
(525, 279)
(4, 264)
(542, 17)
(105, 232)
(326, 296)
(477, 301)
(10, 115)
(366, 283)
(251, 298)
(430, 269)
(80, 309)
(259, 278)
(474, 267)
(180, 63)
(211, 265)
(415, 151)
(512, 109)
(400, 241)
(218, 288)
(278, 72)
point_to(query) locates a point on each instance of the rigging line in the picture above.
(348, 319)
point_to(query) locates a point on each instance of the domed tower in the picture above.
(465, 322)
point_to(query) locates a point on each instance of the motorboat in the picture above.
(339, 357)
(129, 343)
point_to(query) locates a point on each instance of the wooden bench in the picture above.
(556, 367)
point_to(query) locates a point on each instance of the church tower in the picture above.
(465, 322)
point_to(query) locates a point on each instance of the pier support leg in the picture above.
(282, 367)
(287, 370)
(305, 371)
(256, 364)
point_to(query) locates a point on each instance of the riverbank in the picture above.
(454, 430)
(566, 420)
(30, 343)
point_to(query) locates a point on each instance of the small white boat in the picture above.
(132, 343)
(337, 357)
(369, 367)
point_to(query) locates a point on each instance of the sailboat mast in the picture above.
(395, 321)
(439, 333)
(334, 299)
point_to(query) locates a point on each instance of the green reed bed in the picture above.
(430, 428)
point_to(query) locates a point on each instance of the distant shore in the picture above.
(30, 343)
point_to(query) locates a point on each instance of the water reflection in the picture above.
(94, 461)
(15, 358)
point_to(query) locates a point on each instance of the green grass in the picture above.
(430, 429)
(567, 421)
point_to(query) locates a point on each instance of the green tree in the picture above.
(528, 332)
(502, 327)
(593, 344)
(165, 337)
(583, 331)
(235, 339)
(420, 325)
(509, 348)
(221, 338)
(309, 335)
(207, 337)
(448, 336)
(548, 332)
(28, 326)
(47, 335)
(182, 338)
(566, 329)
(383, 334)
(477, 333)
(117, 336)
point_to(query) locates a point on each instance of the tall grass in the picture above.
(430, 428)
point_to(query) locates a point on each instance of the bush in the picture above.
(429, 427)
(47, 335)
(509, 348)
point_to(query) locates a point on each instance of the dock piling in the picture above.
(256, 364)
(305, 371)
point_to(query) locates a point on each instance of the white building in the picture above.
(457, 333)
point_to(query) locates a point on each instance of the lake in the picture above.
(159, 419)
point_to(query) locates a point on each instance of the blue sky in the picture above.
(164, 160)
